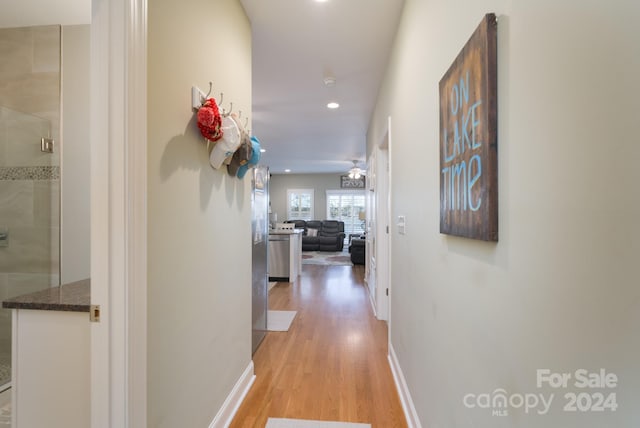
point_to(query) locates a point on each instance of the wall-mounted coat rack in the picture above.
(229, 143)
(198, 97)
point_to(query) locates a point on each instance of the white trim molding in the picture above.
(232, 403)
(403, 391)
(118, 130)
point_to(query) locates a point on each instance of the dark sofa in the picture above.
(357, 250)
(329, 234)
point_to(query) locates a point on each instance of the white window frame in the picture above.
(300, 192)
(358, 192)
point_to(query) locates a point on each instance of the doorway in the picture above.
(378, 258)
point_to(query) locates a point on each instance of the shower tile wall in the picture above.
(30, 72)
(29, 178)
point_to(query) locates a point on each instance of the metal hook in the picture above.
(246, 122)
(210, 89)
(224, 111)
(221, 98)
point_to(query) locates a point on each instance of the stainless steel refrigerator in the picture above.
(260, 240)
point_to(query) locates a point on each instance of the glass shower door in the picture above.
(29, 177)
(29, 216)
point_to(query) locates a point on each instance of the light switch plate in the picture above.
(401, 225)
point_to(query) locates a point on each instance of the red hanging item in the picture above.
(209, 120)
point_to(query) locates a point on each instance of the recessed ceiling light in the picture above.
(333, 105)
(287, 170)
(263, 150)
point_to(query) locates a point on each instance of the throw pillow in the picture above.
(312, 232)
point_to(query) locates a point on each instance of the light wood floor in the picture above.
(332, 363)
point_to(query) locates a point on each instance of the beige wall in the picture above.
(559, 290)
(199, 229)
(74, 177)
(319, 182)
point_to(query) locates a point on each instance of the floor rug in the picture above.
(301, 423)
(279, 320)
(338, 258)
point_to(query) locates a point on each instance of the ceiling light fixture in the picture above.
(355, 172)
(329, 81)
(333, 105)
(287, 170)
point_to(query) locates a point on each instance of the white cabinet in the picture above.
(51, 369)
(51, 357)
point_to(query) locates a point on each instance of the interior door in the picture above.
(382, 253)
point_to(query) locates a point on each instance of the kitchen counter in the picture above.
(284, 255)
(284, 232)
(51, 357)
(73, 297)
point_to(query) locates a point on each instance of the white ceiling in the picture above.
(296, 43)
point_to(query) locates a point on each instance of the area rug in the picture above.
(302, 423)
(280, 320)
(338, 258)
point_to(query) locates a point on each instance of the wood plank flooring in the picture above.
(332, 363)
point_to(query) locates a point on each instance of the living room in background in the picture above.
(299, 204)
(346, 206)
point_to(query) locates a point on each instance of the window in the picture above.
(299, 204)
(347, 206)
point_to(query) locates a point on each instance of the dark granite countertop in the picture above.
(73, 297)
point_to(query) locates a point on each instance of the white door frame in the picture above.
(118, 213)
(389, 204)
(371, 230)
(383, 224)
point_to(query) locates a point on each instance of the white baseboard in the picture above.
(403, 390)
(373, 303)
(232, 403)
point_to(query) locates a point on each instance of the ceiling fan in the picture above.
(355, 171)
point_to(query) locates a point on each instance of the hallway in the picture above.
(332, 363)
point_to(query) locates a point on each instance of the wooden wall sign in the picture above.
(352, 183)
(469, 138)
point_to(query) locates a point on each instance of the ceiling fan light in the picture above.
(355, 172)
